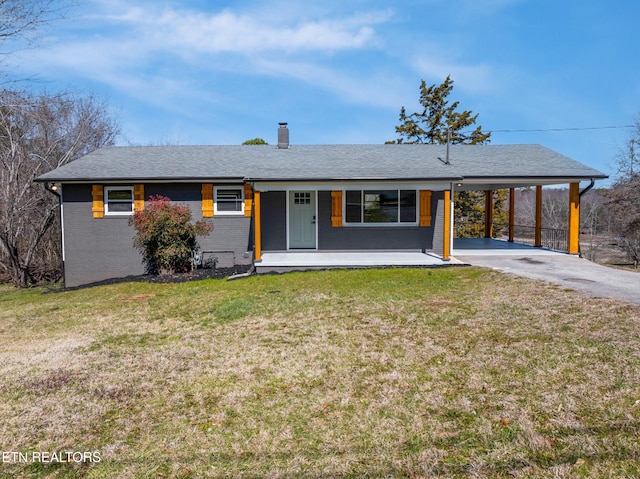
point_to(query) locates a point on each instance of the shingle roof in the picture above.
(321, 162)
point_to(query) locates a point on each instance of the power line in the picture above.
(565, 129)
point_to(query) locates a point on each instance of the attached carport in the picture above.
(489, 185)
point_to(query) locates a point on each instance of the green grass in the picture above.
(407, 373)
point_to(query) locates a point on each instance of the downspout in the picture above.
(586, 189)
(53, 189)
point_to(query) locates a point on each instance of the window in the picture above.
(302, 198)
(118, 200)
(229, 200)
(380, 207)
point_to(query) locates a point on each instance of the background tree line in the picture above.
(624, 198)
(39, 131)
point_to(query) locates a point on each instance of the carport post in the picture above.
(447, 229)
(488, 213)
(573, 234)
(538, 239)
(512, 212)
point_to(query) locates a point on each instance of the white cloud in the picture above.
(380, 90)
(228, 31)
(174, 58)
(472, 78)
(121, 45)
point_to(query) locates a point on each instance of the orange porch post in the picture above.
(257, 242)
(538, 234)
(573, 234)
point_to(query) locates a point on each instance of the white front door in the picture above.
(302, 219)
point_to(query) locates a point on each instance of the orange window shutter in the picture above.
(207, 200)
(248, 199)
(138, 198)
(425, 208)
(336, 209)
(97, 192)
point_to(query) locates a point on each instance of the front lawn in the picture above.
(457, 372)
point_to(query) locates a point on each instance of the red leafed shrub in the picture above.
(166, 236)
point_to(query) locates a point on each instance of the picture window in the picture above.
(380, 207)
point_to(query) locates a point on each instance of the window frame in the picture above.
(240, 200)
(107, 201)
(395, 224)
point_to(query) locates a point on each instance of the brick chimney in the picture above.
(283, 136)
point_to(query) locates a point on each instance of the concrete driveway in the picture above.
(566, 270)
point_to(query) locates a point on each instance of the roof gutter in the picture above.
(587, 188)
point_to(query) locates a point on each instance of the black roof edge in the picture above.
(600, 176)
(282, 180)
(138, 180)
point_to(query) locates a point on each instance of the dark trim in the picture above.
(354, 178)
(195, 179)
(539, 177)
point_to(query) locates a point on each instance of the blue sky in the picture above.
(220, 72)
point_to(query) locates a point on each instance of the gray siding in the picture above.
(273, 213)
(359, 238)
(99, 249)
(95, 249)
(229, 241)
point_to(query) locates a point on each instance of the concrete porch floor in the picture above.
(281, 261)
(298, 260)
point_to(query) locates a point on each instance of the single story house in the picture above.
(288, 198)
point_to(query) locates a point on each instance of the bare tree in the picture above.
(37, 134)
(624, 207)
(555, 207)
(628, 158)
(624, 198)
(21, 20)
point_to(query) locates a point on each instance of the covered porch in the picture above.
(520, 237)
(283, 261)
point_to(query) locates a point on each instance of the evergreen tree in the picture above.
(433, 125)
(255, 141)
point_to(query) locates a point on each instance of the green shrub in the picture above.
(166, 236)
